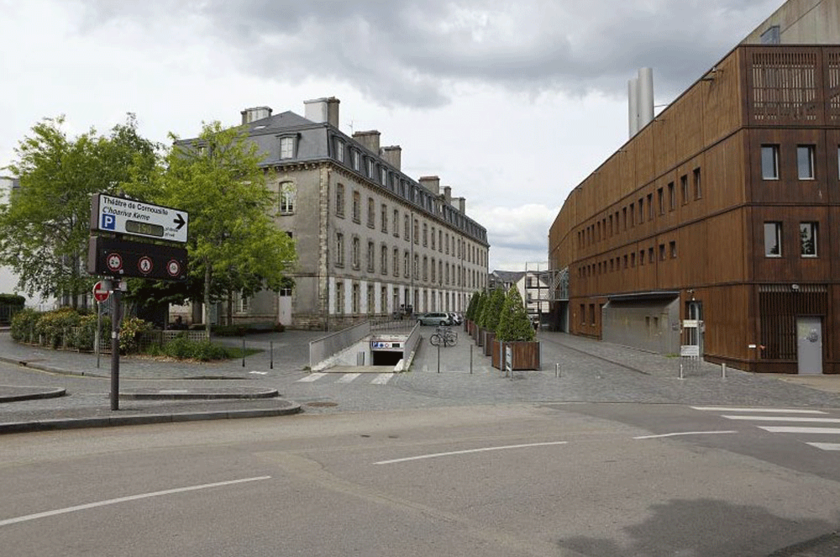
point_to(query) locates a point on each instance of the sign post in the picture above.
(120, 259)
(101, 291)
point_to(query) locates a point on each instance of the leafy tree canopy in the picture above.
(233, 244)
(44, 227)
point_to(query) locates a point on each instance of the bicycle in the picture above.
(444, 336)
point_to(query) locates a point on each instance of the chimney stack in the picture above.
(393, 156)
(447, 195)
(256, 113)
(369, 139)
(640, 101)
(462, 204)
(322, 111)
(431, 183)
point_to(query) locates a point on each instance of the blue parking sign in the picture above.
(109, 222)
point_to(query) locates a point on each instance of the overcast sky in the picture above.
(512, 104)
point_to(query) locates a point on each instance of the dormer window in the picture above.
(287, 147)
(339, 150)
(357, 160)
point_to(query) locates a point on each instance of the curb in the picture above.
(144, 419)
(31, 393)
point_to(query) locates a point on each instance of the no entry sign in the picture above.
(100, 292)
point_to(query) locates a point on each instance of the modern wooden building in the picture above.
(718, 224)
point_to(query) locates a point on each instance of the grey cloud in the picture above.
(410, 52)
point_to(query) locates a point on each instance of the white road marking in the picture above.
(680, 433)
(452, 453)
(783, 419)
(826, 446)
(259, 372)
(347, 377)
(782, 410)
(87, 506)
(786, 429)
(311, 377)
(382, 379)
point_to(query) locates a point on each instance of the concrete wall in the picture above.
(649, 325)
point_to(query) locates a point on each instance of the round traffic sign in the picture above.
(100, 293)
(114, 262)
(145, 264)
(173, 268)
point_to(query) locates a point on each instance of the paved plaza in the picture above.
(574, 370)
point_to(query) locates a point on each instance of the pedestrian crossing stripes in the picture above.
(344, 378)
(788, 420)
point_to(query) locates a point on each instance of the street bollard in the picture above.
(471, 359)
(556, 371)
(271, 355)
(723, 371)
(243, 351)
(681, 371)
(438, 347)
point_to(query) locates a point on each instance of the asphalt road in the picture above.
(486, 480)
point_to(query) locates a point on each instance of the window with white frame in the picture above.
(288, 194)
(384, 218)
(339, 150)
(287, 147)
(383, 260)
(339, 297)
(357, 248)
(339, 249)
(357, 160)
(371, 257)
(808, 239)
(772, 239)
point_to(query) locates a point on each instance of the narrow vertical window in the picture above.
(371, 257)
(339, 200)
(339, 249)
(772, 239)
(356, 255)
(684, 188)
(339, 150)
(698, 189)
(357, 207)
(288, 192)
(805, 162)
(770, 162)
(672, 197)
(808, 239)
(357, 160)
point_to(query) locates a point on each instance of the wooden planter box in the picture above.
(525, 355)
(489, 340)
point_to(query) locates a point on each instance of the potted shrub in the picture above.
(515, 333)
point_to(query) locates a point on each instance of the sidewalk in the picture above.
(73, 391)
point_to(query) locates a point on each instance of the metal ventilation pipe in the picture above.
(645, 97)
(633, 106)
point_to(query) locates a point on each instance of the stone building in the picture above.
(371, 241)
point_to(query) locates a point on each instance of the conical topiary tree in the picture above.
(472, 305)
(493, 309)
(514, 324)
(480, 307)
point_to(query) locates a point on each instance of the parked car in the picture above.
(434, 319)
(455, 318)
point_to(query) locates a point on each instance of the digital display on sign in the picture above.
(144, 228)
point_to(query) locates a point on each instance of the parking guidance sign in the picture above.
(135, 218)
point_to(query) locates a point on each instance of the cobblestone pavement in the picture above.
(589, 371)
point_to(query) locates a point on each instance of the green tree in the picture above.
(493, 309)
(233, 243)
(514, 324)
(470, 315)
(44, 227)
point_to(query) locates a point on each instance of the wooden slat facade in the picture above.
(682, 206)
